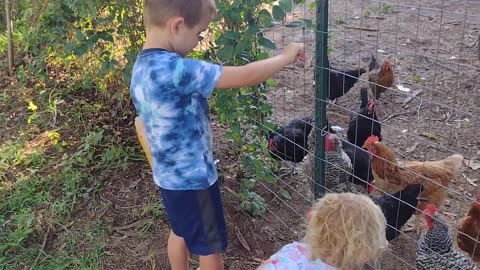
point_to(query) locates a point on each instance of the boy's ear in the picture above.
(176, 23)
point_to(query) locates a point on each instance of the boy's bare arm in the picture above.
(259, 71)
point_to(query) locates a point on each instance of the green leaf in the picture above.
(269, 179)
(308, 22)
(79, 51)
(285, 194)
(249, 183)
(242, 46)
(79, 35)
(267, 43)
(266, 107)
(286, 5)
(252, 29)
(295, 24)
(265, 18)
(232, 35)
(278, 13)
(226, 53)
(313, 5)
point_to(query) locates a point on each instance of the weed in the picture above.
(252, 202)
(154, 210)
(386, 8)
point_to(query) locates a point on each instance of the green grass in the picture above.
(43, 188)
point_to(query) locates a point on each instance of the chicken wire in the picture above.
(430, 112)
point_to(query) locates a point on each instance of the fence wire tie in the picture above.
(324, 130)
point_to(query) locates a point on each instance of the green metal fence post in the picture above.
(321, 86)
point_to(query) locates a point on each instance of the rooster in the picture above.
(365, 123)
(468, 236)
(389, 176)
(382, 78)
(398, 208)
(341, 81)
(435, 249)
(338, 165)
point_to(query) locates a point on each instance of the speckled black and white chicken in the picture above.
(338, 167)
(435, 250)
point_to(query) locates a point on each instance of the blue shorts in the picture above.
(197, 216)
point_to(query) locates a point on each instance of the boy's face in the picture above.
(186, 38)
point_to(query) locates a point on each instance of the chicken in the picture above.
(361, 163)
(338, 166)
(389, 176)
(360, 159)
(365, 123)
(382, 78)
(290, 141)
(435, 250)
(398, 208)
(341, 81)
(468, 236)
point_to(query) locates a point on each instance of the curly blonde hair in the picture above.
(346, 230)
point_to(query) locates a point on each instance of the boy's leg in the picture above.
(213, 262)
(197, 217)
(177, 252)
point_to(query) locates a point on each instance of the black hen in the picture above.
(365, 123)
(361, 162)
(290, 141)
(398, 208)
(341, 81)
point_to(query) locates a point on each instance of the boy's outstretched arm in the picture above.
(259, 71)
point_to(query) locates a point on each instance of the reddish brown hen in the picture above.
(390, 177)
(381, 79)
(468, 236)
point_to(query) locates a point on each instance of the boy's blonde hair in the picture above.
(346, 230)
(157, 12)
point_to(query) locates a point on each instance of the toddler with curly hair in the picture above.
(344, 232)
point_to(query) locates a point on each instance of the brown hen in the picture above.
(468, 236)
(390, 176)
(381, 79)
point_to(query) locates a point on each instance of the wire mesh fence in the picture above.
(426, 115)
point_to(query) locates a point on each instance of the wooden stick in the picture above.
(8, 19)
(44, 240)
(362, 29)
(395, 115)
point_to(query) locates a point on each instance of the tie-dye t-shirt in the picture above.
(170, 95)
(295, 256)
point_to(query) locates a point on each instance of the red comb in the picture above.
(370, 140)
(430, 209)
(271, 147)
(371, 187)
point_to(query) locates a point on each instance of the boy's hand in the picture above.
(295, 52)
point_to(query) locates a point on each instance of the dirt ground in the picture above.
(433, 52)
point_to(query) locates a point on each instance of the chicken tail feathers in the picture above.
(373, 64)
(454, 162)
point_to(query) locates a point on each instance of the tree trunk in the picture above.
(9, 22)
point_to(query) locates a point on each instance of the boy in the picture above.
(170, 95)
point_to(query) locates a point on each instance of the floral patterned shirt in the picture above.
(295, 256)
